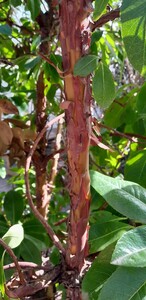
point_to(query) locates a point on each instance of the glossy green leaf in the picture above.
(5, 29)
(123, 284)
(135, 168)
(14, 236)
(100, 271)
(130, 250)
(34, 7)
(141, 293)
(133, 18)
(103, 86)
(103, 216)
(100, 5)
(126, 197)
(85, 65)
(14, 206)
(104, 234)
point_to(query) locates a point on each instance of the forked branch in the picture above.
(48, 228)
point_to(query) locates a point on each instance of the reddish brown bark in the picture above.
(45, 22)
(40, 166)
(75, 41)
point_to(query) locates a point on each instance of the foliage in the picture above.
(117, 61)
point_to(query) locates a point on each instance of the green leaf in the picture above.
(13, 206)
(14, 236)
(126, 197)
(55, 256)
(85, 65)
(130, 250)
(50, 72)
(34, 7)
(103, 216)
(141, 103)
(34, 228)
(100, 271)
(2, 275)
(133, 18)
(96, 35)
(115, 114)
(102, 235)
(35, 43)
(141, 294)
(5, 29)
(32, 62)
(135, 168)
(103, 86)
(31, 248)
(3, 226)
(15, 3)
(3, 172)
(123, 284)
(100, 5)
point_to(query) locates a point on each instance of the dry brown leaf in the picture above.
(18, 135)
(6, 136)
(7, 107)
(17, 123)
(29, 135)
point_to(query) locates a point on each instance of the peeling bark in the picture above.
(75, 41)
(40, 165)
(45, 22)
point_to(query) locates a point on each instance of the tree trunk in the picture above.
(39, 158)
(75, 41)
(45, 22)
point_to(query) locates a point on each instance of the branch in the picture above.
(110, 16)
(130, 136)
(14, 258)
(51, 63)
(25, 264)
(5, 61)
(55, 160)
(61, 221)
(48, 228)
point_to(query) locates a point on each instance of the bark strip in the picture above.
(45, 22)
(75, 41)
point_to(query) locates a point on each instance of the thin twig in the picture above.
(130, 136)
(61, 221)
(50, 63)
(6, 62)
(110, 16)
(48, 228)
(14, 258)
(25, 265)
